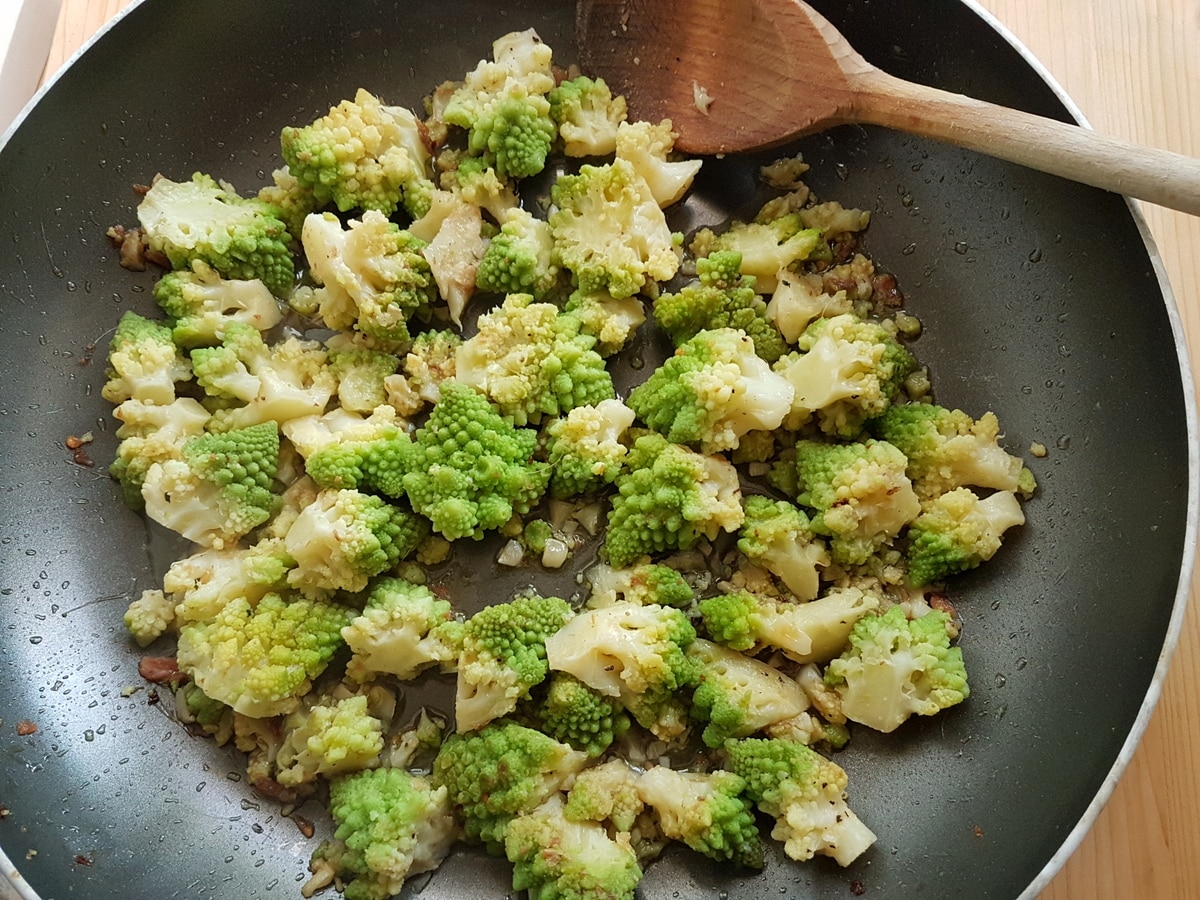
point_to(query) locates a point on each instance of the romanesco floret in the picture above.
(712, 391)
(947, 449)
(634, 652)
(343, 450)
(957, 531)
(519, 259)
(805, 793)
(261, 658)
(290, 199)
(499, 772)
(504, 656)
(143, 362)
(647, 147)
(476, 182)
(374, 277)
(814, 631)
(585, 449)
(201, 304)
(779, 537)
(402, 630)
(149, 616)
(645, 583)
(361, 375)
(391, 825)
(454, 232)
(896, 667)
(721, 297)
(202, 220)
(555, 857)
(801, 297)
(469, 469)
(219, 489)
(201, 584)
(532, 361)
(609, 232)
(151, 433)
(251, 383)
(430, 361)
(612, 321)
(860, 492)
(332, 738)
(503, 105)
(739, 695)
(587, 115)
(344, 537)
(362, 155)
(848, 372)
(706, 811)
(667, 498)
(606, 792)
(766, 247)
(578, 715)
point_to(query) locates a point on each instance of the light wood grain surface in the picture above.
(1133, 67)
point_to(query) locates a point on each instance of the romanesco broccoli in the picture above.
(778, 536)
(585, 449)
(201, 304)
(706, 811)
(957, 531)
(332, 738)
(519, 259)
(143, 362)
(402, 630)
(587, 115)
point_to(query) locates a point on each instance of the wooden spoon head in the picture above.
(774, 69)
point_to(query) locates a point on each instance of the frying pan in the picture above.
(1042, 301)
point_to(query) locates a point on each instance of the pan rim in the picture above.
(13, 886)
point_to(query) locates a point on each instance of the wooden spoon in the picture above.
(783, 71)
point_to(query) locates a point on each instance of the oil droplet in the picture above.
(1021, 663)
(89, 735)
(35, 639)
(961, 248)
(1063, 442)
(1035, 256)
(1001, 679)
(842, 172)
(909, 250)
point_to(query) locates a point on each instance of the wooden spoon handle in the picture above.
(1158, 176)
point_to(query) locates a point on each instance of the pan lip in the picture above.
(1183, 589)
(13, 886)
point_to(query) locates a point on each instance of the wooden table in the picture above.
(1133, 67)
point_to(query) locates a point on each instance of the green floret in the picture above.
(896, 667)
(504, 656)
(721, 298)
(149, 616)
(947, 449)
(606, 792)
(362, 155)
(706, 811)
(848, 372)
(612, 321)
(585, 450)
(290, 199)
(391, 825)
(667, 498)
(555, 858)
(143, 362)
(430, 361)
(344, 537)
(739, 695)
(649, 148)
(814, 631)
(503, 106)
(331, 738)
(609, 232)
(360, 374)
(636, 653)
(202, 304)
(532, 362)
(345, 451)
(498, 773)
(403, 629)
(151, 433)
(779, 537)
(576, 714)
(250, 383)
(519, 260)
(261, 658)
(202, 220)
(587, 116)
(958, 531)
(469, 469)
(202, 584)
(860, 492)
(219, 489)
(713, 390)
(805, 793)
(646, 583)
(374, 276)
(766, 247)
